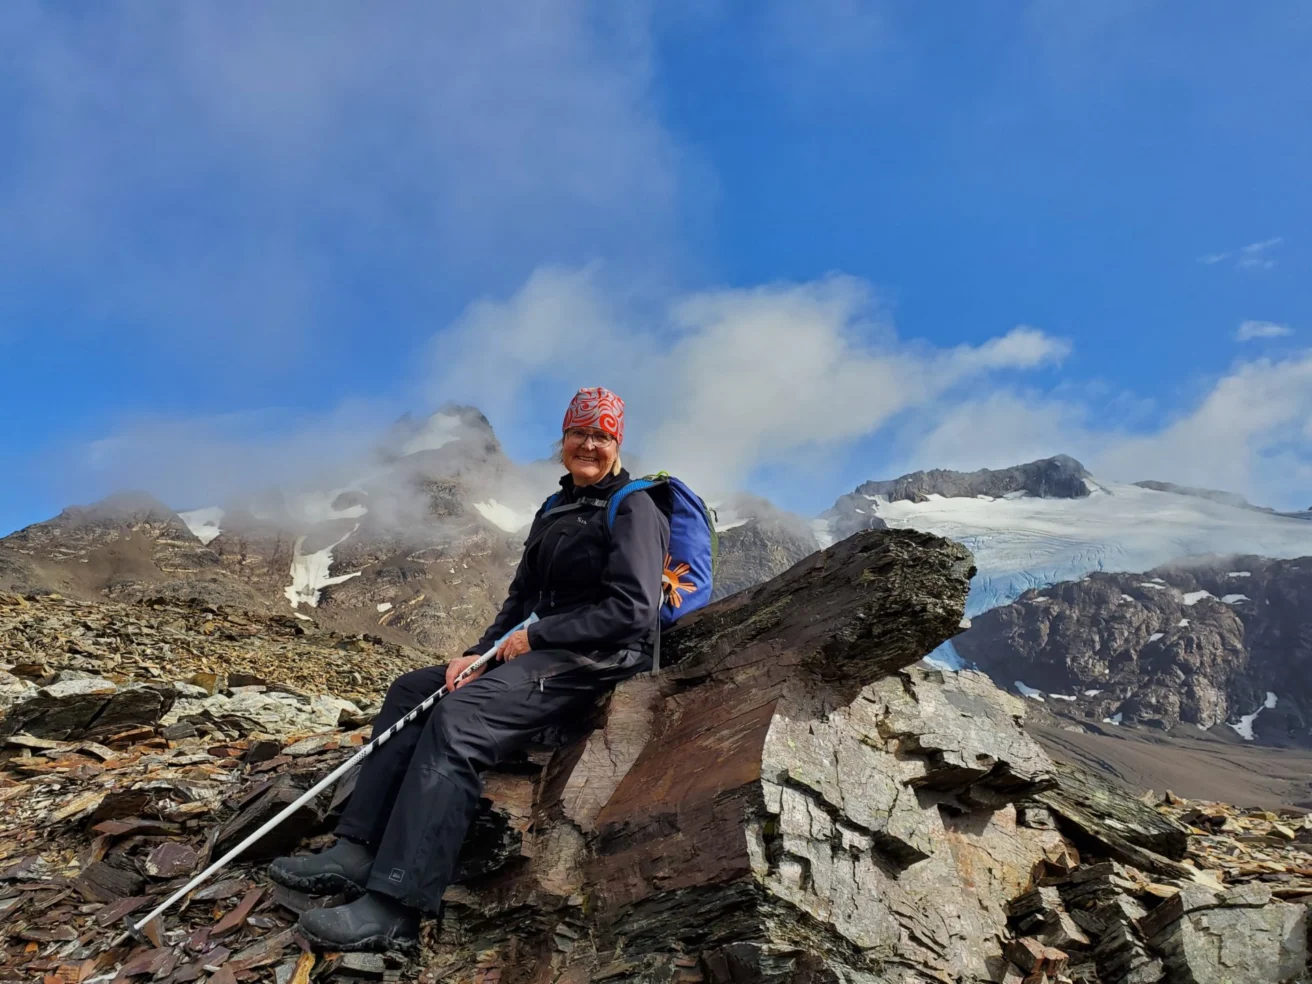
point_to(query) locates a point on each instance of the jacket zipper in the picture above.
(546, 577)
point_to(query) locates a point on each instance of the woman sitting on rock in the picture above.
(597, 593)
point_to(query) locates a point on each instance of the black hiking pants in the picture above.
(417, 794)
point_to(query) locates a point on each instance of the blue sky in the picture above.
(811, 244)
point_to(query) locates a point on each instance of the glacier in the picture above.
(1024, 542)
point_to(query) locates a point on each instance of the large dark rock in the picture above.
(86, 708)
(790, 800)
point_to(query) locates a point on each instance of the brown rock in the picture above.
(169, 860)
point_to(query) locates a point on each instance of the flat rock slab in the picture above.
(84, 708)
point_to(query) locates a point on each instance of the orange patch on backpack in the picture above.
(673, 584)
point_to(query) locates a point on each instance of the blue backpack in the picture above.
(694, 545)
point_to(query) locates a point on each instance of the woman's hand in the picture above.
(516, 644)
(456, 667)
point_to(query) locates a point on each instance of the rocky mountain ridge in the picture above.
(417, 549)
(1224, 643)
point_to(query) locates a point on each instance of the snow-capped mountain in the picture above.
(1075, 525)
(416, 544)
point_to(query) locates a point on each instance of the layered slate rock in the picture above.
(85, 707)
(792, 800)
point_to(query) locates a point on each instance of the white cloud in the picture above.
(198, 461)
(720, 381)
(1254, 256)
(1250, 432)
(441, 146)
(1250, 330)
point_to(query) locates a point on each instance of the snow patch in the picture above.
(1182, 624)
(203, 523)
(1092, 693)
(1028, 691)
(1240, 574)
(303, 618)
(508, 519)
(1149, 584)
(1230, 599)
(310, 572)
(1245, 726)
(1116, 718)
(384, 606)
(1125, 597)
(824, 533)
(1156, 635)
(1061, 697)
(1194, 597)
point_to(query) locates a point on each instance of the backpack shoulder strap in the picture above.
(620, 494)
(550, 507)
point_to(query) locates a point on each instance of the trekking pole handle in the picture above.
(331, 778)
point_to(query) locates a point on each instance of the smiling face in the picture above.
(588, 454)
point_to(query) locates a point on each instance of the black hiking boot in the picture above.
(344, 867)
(372, 922)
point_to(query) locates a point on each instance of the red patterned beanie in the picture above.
(596, 407)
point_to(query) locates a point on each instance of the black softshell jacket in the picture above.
(596, 591)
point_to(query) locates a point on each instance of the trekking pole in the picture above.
(329, 779)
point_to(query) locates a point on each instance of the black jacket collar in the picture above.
(602, 490)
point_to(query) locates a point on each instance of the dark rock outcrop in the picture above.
(1211, 643)
(762, 544)
(86, 707)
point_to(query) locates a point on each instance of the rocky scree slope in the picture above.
(791, 801)
(1226, 642)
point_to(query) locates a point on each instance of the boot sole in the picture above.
(370, 944)
(324, 884)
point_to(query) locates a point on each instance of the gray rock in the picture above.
(84, 708)
(833, 822)
(14, 689)
(763, 543)
(252, 709)
(1241, 934)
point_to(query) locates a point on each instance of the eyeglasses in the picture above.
(601, 439)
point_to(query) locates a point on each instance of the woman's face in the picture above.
(588, 454)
